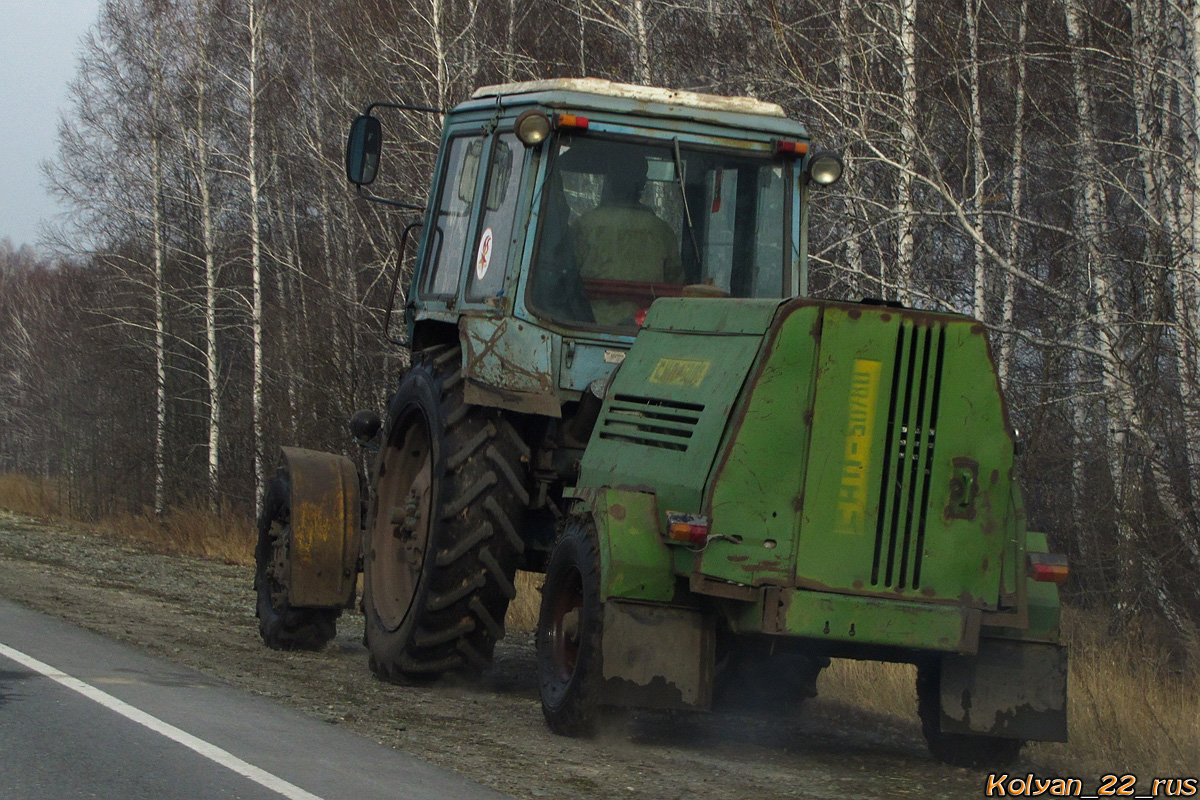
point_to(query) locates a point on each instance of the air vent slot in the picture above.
(908, 456)
(651, 421)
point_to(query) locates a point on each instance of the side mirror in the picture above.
(363, 147)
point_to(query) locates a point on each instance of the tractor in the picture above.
(618, 379)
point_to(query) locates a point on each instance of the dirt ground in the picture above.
(200, 614)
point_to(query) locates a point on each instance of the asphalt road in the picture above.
(84, 717)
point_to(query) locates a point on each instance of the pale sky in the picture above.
(39, 42)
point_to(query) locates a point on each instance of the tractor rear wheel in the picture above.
(282, 625)
(957, 749)
(570, 627)
(442, 544)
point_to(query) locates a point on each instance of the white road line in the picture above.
(209, 751)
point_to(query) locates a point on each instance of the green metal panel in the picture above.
(866, 620)
(908, 488)
(713, 315)
(635, 563)
(666, 411)
(1044, 609)
(757, 483)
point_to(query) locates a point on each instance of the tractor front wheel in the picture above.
(570, 627)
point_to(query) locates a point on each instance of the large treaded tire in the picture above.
(956, 749)
(570, 631)
(281, 625)
(442, 545)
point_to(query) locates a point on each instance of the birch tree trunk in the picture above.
(254, 26)
(160, 330)
(1017, 201)
(979, 168)
(905, 201)
(641, 43)
(846, 89)
(208, 252)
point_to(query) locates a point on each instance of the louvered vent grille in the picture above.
(908, 456)
(651, 421)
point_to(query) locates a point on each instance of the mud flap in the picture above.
(657, 656)
(1010, 689)
(325, 529)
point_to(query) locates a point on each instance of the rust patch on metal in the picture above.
(617, 511)
(763, 566)
(854, 313)
(702, 584)
(739, 559)
(964, 488)
(983, 566)
(995, 477)
(325, 528)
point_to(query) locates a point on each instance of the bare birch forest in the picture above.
(220, 291)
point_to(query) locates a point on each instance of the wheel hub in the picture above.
(399, 537)
(566, 630)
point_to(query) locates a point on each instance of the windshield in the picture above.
(623, 223)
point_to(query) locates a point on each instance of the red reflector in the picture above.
(1048, 567)
(790, 148)
(573, 121)
(687, 528)
(640, 316)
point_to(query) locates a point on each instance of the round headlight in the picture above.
(532, 127)
(825, 168)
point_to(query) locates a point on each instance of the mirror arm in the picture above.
(404, 107)
(387, 319)
(365, 195)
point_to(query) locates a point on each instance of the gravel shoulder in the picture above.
(200, 614)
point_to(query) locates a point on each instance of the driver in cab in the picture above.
(623, 240)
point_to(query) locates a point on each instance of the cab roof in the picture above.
(650, 101)
(629, 91)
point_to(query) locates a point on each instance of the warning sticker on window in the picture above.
(483, 258)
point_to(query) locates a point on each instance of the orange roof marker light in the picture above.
(786, 147)
(573, 122)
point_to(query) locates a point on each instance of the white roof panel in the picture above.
(648, 94)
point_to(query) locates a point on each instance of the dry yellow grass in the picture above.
(21, 494)
(192, 529)
(523, 610)
(1133, 707)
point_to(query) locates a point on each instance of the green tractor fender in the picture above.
(635, 563)
(655, 653)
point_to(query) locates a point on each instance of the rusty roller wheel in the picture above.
(442, 545)
(956, 749)
(281, 625)
(569, 633)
